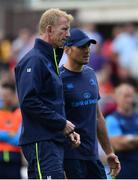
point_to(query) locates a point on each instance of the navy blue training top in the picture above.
(40, 93)
(81, 95)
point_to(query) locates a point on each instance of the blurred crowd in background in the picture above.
(114, 59)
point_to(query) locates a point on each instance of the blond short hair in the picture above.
(50, 17)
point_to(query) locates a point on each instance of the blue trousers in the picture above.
(45, 160)
(84, 169)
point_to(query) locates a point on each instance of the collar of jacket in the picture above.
(47, 49)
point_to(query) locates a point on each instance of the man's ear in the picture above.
(67, 50)
(49, 29)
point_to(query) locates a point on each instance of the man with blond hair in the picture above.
(40, 93)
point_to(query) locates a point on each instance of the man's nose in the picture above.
(68, 33)
(87, 50)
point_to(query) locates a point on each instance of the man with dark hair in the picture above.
(81, 107)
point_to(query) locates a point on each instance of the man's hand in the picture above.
(69, 128)
(114, 164)
(75, 139)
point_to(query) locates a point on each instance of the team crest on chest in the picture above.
(70, 86)
(87, 95)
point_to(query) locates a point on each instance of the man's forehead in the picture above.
(64, 21)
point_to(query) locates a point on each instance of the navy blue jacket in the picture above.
(40, 93)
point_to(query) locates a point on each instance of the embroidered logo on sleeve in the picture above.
(29, 70)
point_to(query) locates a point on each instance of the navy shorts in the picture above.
(45, 160)
(84, 169)
(129, 169)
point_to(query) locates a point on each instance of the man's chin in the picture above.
(60, 45)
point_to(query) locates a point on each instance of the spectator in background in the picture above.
(125, 44)
(10, 122)
(122, 128)
(22, 44)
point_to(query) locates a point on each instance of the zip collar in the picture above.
(47, 49)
